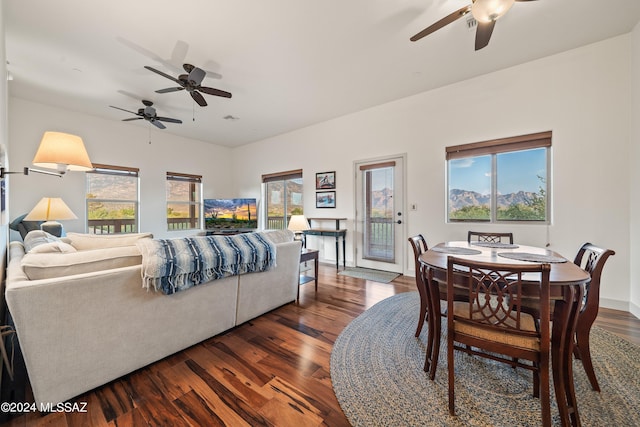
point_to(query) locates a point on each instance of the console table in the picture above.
(336, 232)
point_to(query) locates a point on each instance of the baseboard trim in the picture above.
(634, 309)
(615, 304)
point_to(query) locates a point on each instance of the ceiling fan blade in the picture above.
(441, 23)
(216, 92)
(132, 118)
(483, 33)
(162, 74)
(168, 120)
(157, 124)
(122, 109)
(198, 98)
(196, 76)
(169, 89)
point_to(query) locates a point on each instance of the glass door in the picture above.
(379, 214)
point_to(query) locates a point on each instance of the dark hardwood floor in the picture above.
(271, 371)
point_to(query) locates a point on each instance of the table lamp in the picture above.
(51, 209)
(298, 224)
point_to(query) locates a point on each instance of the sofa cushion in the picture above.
(279, 236)
(84, 242)
(36, 238)
(49, 265)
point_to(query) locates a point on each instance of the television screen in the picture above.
(230, 213)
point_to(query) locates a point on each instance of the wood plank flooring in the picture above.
(271, 371)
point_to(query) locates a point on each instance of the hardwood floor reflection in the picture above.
(271, 371)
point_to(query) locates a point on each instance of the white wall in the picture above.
(113, 143)
(634, 161)
(581, 95)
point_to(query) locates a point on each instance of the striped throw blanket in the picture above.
(172, 265)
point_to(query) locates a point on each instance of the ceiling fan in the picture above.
(485, 12)
(149, 114)
(191, 83)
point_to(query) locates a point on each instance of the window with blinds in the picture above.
(283, 196)
(184, 201)
(501, 180)
(112, 199)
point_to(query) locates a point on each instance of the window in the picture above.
(283, 193)
(112, 199)
(184, 201)
(500, 180)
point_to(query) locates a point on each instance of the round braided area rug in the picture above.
(378, 378)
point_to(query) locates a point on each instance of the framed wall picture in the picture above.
(325, 199)
(326, 180)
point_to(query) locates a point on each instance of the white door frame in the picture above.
(400, 249)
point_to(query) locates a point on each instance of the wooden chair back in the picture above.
(481, 236)
(491, 323)
(592, 259)
(419, 246)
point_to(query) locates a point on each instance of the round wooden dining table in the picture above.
(566, 281)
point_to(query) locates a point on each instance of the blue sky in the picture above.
(516, 171)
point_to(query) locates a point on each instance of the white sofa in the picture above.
(89, 326)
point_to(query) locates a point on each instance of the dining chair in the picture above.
(481, 236)
(491, 323)
(592, 259)
(419, 246)
(436, 292)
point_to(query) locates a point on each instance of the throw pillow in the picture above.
(53, 247)
(36, 238)
(24, 227)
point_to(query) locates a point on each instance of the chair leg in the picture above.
(584, 352)
(545, 395)
(430, 335)
(435, 352)
(451, 376)
(536, 381)
(422, 316)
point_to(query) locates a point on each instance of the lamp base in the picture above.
(52, 227)
(299, 235)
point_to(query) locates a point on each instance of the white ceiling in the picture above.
(288, 63)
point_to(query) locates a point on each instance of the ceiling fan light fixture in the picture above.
(490, 10)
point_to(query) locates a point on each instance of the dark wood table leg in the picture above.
(337, 252)
(344, 251)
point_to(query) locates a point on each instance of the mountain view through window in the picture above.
(509, 186)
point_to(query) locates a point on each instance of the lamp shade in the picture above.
(62, 151)
(490, 10)
(50, 209)
(298, 223)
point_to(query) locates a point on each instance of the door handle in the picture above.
(398, 222)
